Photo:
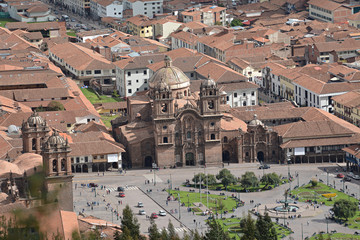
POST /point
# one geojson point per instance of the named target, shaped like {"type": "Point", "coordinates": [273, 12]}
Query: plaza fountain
{"type": "Point", "coordinates": [286, 207]}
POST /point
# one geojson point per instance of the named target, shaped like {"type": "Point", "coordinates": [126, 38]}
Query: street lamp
{"type": "Point", "coordinates": [327, 175]}
{"type": "Point", "coordinates": [154, 166]}
{"type": "Point", "coordinates": [289, 175]}
{"type": "Point", "coordinates": [179, 206]}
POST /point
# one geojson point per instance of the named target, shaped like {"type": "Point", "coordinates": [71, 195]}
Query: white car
{"type": "Point", "coordinates": [350, 174]}
{"type": "Point", "coordinates": [140, 205]}
{"type": "Point", "coordinates": [162, 213]}
{"type": "Point", "coordinates": [142, 212]}
{"type": "Point", "coordinates": [356, 177]}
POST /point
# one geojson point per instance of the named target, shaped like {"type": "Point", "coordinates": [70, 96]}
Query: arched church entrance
{"type": "Point", "coordinates": [189, 157]}
{"type": "Point", "coordinates": [148, 161]}
{"type": "Point", "coordinates": [225, 156]}
{"type": "Point", "coordinates": [260, 156]}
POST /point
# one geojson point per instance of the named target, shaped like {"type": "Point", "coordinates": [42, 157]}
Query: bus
{"type": "Point", "coordinates": [65, 18]}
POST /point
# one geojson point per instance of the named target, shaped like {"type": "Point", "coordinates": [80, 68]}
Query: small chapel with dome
{"type": "Point", "coordinates": [169, 125]}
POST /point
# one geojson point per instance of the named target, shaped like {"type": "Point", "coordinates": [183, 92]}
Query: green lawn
{"type": "Point", "coordinates": [71, 33]}
{"type": "Point", "coordinates": [238, 188]}
{"type": "Point", "coordinates": [188, 198]}
{"type": "Point", "coordinates": [232, 225]}
{"type": "Point", "coordinates": [336, 236]}
{"type": "Point", "coordinates": [107, 119]}
{"type": "Point", "coordinates": [307, 192]}
{"type": "Point", "coordinates": [3, 21]}
{"type": "Point", "coordinates": [93, 98]}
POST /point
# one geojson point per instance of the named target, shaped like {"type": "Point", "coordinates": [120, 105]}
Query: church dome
{"type": "Point", "coordinates": [55, 140]}
{"type": "Point", "coordinates": [256, 122]}
{"type": "Point", "coordinates": [172, 76]}
{"type": "Point", "coordinates": [35, 120]}
{"type": "Point", "coordinates": [209, 82]}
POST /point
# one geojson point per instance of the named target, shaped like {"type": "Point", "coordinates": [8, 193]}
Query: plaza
{"type": "Point", "coordinates": [154, 196]}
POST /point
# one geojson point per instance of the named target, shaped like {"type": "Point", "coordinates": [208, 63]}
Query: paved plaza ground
{"type": "Point", "coordinates": [137, 190]}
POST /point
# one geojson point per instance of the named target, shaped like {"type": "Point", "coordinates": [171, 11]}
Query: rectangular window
{"type": "Point", "coordinates": [235, 95]}
{"type": "Point", "coordinates": [88, 72]}
{"type": "Point", "coordinates": [129, 83]}
{"type": "Point", "coordinates": [86, 159]}
{"type": "Point", "coordinates": [145, 80]}
{"type": "Point", "coordinates": [129, 91]}
{"type": "Point", "coordinates": [77, 160]}
{"type": "Point", "coordinates": [145, 72]}
{"type": "Point", "coordinates": [129, 74]}
{"type": "Point", "coordinates": [252, 93]}
{"type": "Point", "coordinates": [244, 94]}
{"type": "Point", "coordinates": [97, 71]}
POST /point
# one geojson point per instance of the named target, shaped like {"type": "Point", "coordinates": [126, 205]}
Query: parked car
{"type": "Point", "coordinates": [142, 212]}
{"type": "Point", "coordinates": [154, 216]}
{"type": "Point", "coordinates": [347, 179]}
{"type": "Point", "coordinates": [140, 205]}
{"type": "Point", "coordinates": [120, 189]}
{"type": "Point", "coordinates": [356, 177]}
{"type": "Point", "coordinates": [121, 194]}
{"type": "Point", "coordinates": [350, 174]}
{"type": "Point", "coordinates": [265, 166]}
{"type": "Point", "coordinates": [340, 175]}
{"type": "Point", "coordinates": [162, 213]}
{"type": "Point", "coordinates": [93, 184]}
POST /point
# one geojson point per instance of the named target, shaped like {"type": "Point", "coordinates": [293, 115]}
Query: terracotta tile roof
{"type": "Point", "coordinates": [346, 45]}
{"type": "Point", "coordinates": [354, 17]}
{"type": "Point", "coordinates": [353, 150]}
{"type": "Point", "coordinates": [91, 126]}
{"type": "Point", "coordinates": [321, 142]}
{"type": "Point", "coordinates": [139, 20]}
{"type": "Point", "coordinates": [326, 4]}
{"type": "Point", "coordinates": [139, 62]}
{"type": "Point", "coordinates": [80, 57]}
{"type": "Point", "coordinates": [114, 105]}
{"type": "Point", "coordinates": [350, 99]}
{"type": "Point", "coordinates": [230, 123]}
{"type": "Point", "coordinates": [186, 37]}
{"type": "Point", "coordinates": [238, 85]}
{"type": "Point", "coordinates": [320, 87]}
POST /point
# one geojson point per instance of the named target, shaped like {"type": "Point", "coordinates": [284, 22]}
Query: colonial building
{"type": "Point", "coordinates": [171, 126]}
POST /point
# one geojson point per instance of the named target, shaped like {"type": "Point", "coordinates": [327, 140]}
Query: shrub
{"type": "Point", "coordinates": [314, 183]}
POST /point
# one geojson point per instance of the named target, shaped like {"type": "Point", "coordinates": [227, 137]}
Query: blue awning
{"type": "Point", "coordinates": [349, 159]}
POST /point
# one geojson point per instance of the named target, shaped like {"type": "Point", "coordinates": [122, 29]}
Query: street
{"type": "Point", "coordinates": [155, 200]}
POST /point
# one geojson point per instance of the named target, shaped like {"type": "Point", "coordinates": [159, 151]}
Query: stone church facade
{"type": "Point", "coordinates": [171, 126]}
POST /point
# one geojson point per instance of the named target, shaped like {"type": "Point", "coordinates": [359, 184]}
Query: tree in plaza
{"type": "Point", "coordinates": [154, 233]}
{"type": "Point", "coordinates": [249, 180]}
{"type": "Point", "coordinates": [200, 176]}
{"type": "Point", "coordinates": [216, 232]}
{"type": "Point", "coordinates": [125, 235]}
{"type": "Point", "coordinates": [226, 177]}
{"type": "Point", "coordinates": [131, 223]}
{"type": "Point", "coordinates": [265, 228]}
{"type": "Point", "coordinates": [220, 206]}
{"type": "Point", "coordinates": [344, 208]}
{"type": "Point", "coordinates": [270, 179]}
{"type": "Point", "coordinates": [248, 227]}
{"type": "Point", "coordinates": [164, 234]}
{"type": "Point", "coordinates": [172, 233]}
{"type": "Point", "coordinates": [210, 179]}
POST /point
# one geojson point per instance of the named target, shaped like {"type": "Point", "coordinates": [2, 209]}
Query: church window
{"type": "Point", "coordinates": [200, 133]}
{"type": "Point", "coordinates": [185, 93]}
{"type": "Point", "coordinates": [225, 139]}
{"type": "Point", "coordinates": [164, 127]}
{"type": "Point", "coordinates": [54, 165]}
{"type": "Point", "coordinates": [188, 135]}
{"type": "Point", "coordinates": [165, 140]}
{"type": "Point", "coordinates": [247, 154]}
{"type": "Point", "coordinates": [211, 104]}
{"type": "Point", "coordinates": [177, 135]}
{"type": "Point", "coordinates": [210, 93]}
{"type": "Point", "coordinates": [33, 144]}
{"type": "Point", "coordinates": [273, 152]}
{"type": "Point", "coordinates": [164, 107]}
{"type": "Point", "coordinates": [212, 136]}
{"type": "Point", "coordinates": [212, 124]}
{"type": "Point", "coordinates": [63, 165]}
{"type": "Point", "coordinates": [164, 96]}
